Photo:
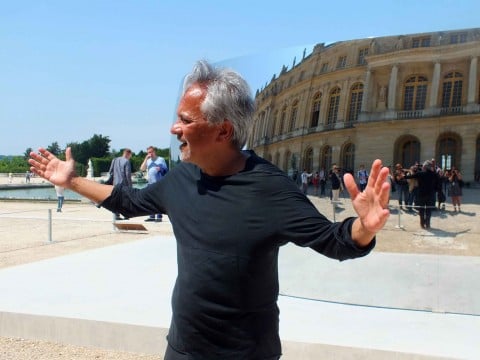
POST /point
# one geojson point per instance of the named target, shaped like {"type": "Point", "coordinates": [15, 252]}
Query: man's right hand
{"type": "Point", "coordinates": [49, 167]}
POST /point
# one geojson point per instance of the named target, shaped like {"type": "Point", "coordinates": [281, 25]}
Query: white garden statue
{"type": "Point", "coordinates": [90, 169]}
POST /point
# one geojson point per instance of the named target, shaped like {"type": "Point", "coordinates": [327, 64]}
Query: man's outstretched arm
{"type": "Point", "coordinates": [59, 172]}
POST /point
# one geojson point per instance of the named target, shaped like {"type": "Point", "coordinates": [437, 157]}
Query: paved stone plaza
{"type": "Point", "coordinates": [414, 296]}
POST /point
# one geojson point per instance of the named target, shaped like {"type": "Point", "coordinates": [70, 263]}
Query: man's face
{"type": "Point", "coordinates": [196, 135]}
{"type": "Point", "coordinates": [151, 154]}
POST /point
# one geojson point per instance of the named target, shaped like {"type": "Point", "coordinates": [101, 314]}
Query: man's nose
{"type": "Point", "coordinates": [175, 129]}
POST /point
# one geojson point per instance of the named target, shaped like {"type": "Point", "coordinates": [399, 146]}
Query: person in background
{"type": "Point", "coordinates": [323, 181]}
{"type": "Point", "coordinates": [428, 185]}
{"type": "Point", "coordinates": [436, 168]}
{"type": "Point", "coordinates": [401, 185]}
{"type": "Point", "coordinates": [446, 182]}
{"type": "Point", "coordinates": [315, 183]}
{"type": "Point", "coordinates": [231, 211]}
{"type": "Point", "coordinates": [156, 168]}
{"type": "Point", "coordinates": [441, 197]}
{"type": "Point", "coordinates": [337, 184]}
{"type": "Point", "coordinates": [60, 197]}
{"type": "Point", "coordinates": [412, 188]}
{"type": "Point", "coordinates": [362, 177]}
{"type": "Point", "coordinates": [391, 181]}
{"type": "Point", "coordinates": [456, 191]}
{"type": "Point", "coordinates": [305, 179]}
{"type": "Point", "coordinates": [121, 168]}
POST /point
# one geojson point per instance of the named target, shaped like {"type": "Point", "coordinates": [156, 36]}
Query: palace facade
{"type": "Point", "coordinates": [402, 99]}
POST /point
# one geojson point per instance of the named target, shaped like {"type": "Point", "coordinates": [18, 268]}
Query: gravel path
{"type": "Point", "coordinates": [22, 349]}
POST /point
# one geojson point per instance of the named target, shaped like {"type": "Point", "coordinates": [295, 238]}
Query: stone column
{"type": "Point", "coordinates": [343, 104]}
{"type": "Point", "coordinates": [472, 81]}
{"type": "Point", "coordinates": [392, 88]}
{"type": "Point", "coordinates": [366, 88]}
{"type": "Point", "coordinates": [435, 85]}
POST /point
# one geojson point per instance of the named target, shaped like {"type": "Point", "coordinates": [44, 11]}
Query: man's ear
{"type": "Point", "coordinates": [226, 130]}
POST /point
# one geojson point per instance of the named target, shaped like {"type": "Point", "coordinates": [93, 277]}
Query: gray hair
{"type": "Point", "coordinates": [428, 164]}
{"type": "Point", "coordinates": [228, 97]}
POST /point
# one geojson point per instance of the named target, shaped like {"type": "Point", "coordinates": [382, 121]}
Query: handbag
{"type": "Point", "coordinates": [109, 180]}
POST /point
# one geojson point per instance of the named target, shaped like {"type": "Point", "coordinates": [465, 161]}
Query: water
{"type": "Point", "coordinates": [42, 193]}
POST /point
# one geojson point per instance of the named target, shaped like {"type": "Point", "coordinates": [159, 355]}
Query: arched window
{"type": "Point", "coordinates": [348, 158]}
{"type": "Point", "coordinates": [449, 150]}
{"type": "Point", "coordinates": [410, 152]}
{"type": "Point", "coordinates": [355, 104]}
{"type": "Point", "coordinates": [452, 90]}
{"type": "Point", "coordinates": [293, 117]}
{"type": "Point", "coordinates": [333, 102]}
{"type": "Point", "coordinates": [326, 157]}
{"type": "Point", "coordinates": [407, 150]}
{"type": "Point", "coordinates": [308, 160]}
{"type": "Point", "coordinates": [415, 93]}
{"type": "Point", "coordinates": [317, 100]}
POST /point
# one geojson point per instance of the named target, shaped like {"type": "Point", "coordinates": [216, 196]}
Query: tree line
{"type": "Point", "coordinates": [97, 149]}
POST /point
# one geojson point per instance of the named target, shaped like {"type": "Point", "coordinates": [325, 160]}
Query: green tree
{"type": "Point", "coordinates": [54, 148]}
{"type": "Point", "coordinates": [26, 154]}
{"type": "Point", "coordinates": [99, 146]}
{"type": "Point", "coordinates": [14, 164]}
{"type": "Point", "coordinates": [76, 149]}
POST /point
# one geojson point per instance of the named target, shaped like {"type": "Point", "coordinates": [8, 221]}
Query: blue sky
{"type": "Point", "coordinates": [72, 69]}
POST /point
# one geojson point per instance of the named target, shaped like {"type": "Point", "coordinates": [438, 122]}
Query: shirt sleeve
{"type": "Point", "coordinates": [301, 223]}
{"type": "Point", "coordinates": [132, 202]}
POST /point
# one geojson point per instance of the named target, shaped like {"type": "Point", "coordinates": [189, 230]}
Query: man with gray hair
{"type": "Point", "coordinates": [428, 185]}
{"type": "Point", "coordinates": [231, 211]}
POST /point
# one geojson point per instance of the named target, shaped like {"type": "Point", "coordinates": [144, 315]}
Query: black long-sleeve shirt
{"type": "Point", "coordinates": [228, 231]}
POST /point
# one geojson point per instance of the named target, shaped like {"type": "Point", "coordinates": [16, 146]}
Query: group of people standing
{"type": "Point", "coordinates": [421, 186]}
{"type": "Point", "coordinates": [335, 176]}
{"type": "Point", "coordinates": [121, 170]}
{"type": "Point", "coordinates": [418, 188]}
{"type": "Point", "coordinates": [319, 181]}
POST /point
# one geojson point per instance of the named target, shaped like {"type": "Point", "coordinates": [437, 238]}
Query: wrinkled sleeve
{"type": "Point", "coordinates": [300, 222]}
{"type": "Point", "coordinates": [132, 202]}
{"type": "Point", "coordinates": [335, 241]}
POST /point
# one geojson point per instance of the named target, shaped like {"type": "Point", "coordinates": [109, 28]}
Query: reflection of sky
{"type": "Point", "coordinates": [258, 69]}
